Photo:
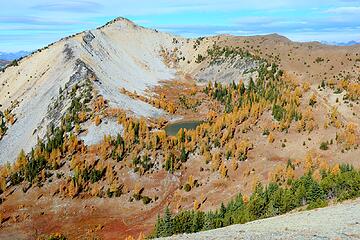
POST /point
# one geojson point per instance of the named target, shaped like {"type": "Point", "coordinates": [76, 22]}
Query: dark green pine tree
{"type": "Point", "coordinates": [239, 202]}
{"type": "Point", "coordinates": [196, 222]}
{"type": "Point", "coordinates": [288, 201]}
{"type": "Point", "coordinates": [271, 210]}
{"type": "Point", "coordinates": [222, 211]}
{"type": "Point", "coordinates": [182, 135]}
{"type": "Point", "coordinates": [209, 221]}
{"type": "Point", "coordinates": [159, 227]}
{"type": "Point", "coordinates": [228, 105]}
{"type": "Point", "coordinates": [168, 224]}
{"type": "Point", "coordinates": [242, 88]}
{"type": "Point", "coordinates": [184, 155]}
{"type": "Point", "coordinates": [315, 192]}
{"type": "Point", "coordinates": [251, 86]}
{"type": "Point", "coordinates": [2, 123]}
{"type": "Point", "coordinates": [169, 164]}
{"type": "Point", "coordinates": [300, 195]}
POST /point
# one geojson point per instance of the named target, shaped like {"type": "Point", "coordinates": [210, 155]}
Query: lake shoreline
{"type": "Point", "coordinates": [172, 128]}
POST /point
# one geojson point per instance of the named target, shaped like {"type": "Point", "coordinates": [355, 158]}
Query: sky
{"type": "Point", "coordinates": [32, 24]}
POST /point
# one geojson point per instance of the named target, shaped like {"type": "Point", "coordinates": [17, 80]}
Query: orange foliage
{"type": "Point", "coordinates": [309, 162]}
{"type": "Point", "coordinates": [216, 161]}
{"type": "Point", "coordinates": [234, 164]}
{"type": "Point", "coordinates": [336, 169]}
{"type": "Point", "coordinates": [223, 170]}
{"type": "Point", "coordinates": [278, 175]}
{"type": "Point", "coordinates": [350, 137]}
{"type": "Point", "coordinates": [197, 205]}
{"type": "Point", "coordinates": [335, 118]}
{"type": "Point", "coordinates": [97, 120]}
{"type": "Point", "coordinates": [271, 138]}
{"type": "Point", "coordinates": [245, 198]}
{"type": "Point", "coordinates": [353, 91]}
{"type": "Point", "coordinates": [306, 86]}
{"type": "Point", "coordinates": [290, 174]}
{"type": "Point", "coordinates": [317, 175]}
{"type": "Point", "coordinates": [324, 165]}
{"type": "Point", "coordinates": [99, 104]}
{"type": "Point", "coordinates": [82, 116]}
{"type": "Point", "coordinates": [307, 122]}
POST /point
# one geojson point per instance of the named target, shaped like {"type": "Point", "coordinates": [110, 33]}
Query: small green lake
{"type": "Point", "coordinates": [173, 128]}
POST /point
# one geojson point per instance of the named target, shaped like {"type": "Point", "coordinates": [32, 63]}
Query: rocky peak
{"type": "Point", "coordinates": [121, 22]}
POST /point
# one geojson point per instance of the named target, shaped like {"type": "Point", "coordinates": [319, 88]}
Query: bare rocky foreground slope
{"type": "Point", "coordinates": [340, 221]}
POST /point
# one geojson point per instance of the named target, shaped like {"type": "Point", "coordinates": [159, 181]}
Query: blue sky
{"type": "Point", "coordinates": [31, 24]}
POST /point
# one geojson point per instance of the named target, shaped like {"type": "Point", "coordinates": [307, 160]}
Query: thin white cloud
{"type": "Point", "coordinates": [31, 20]}
{"type": "Point", "coordinates": [344, 10]}
{"type": "Point", "coordinates": [69, 6]}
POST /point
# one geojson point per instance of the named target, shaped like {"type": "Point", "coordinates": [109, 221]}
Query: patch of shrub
{"type": "Point", "coordinates": [146, 200]}
{"type": "Point", "coordinates": [187, 187]}
{"type": "Point", "coordinates": [324, 146]}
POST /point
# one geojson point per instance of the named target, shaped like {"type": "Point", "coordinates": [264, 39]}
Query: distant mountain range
{"type": "Point", "coordinates": [12, 56]}
{"type": "Point", "coordinates": [350, 43]}
{"type": "Point", "coordinates": [3, 63]}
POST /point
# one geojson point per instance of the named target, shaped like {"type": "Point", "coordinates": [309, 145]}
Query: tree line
{"type": "Point", "coordinates": [271, 200]}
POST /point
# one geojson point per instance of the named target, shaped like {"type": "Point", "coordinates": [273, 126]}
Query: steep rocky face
{"type": "Point", "coordinates": [227, 67]}
{"type": "Point", "coordinates": [28, 91]}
